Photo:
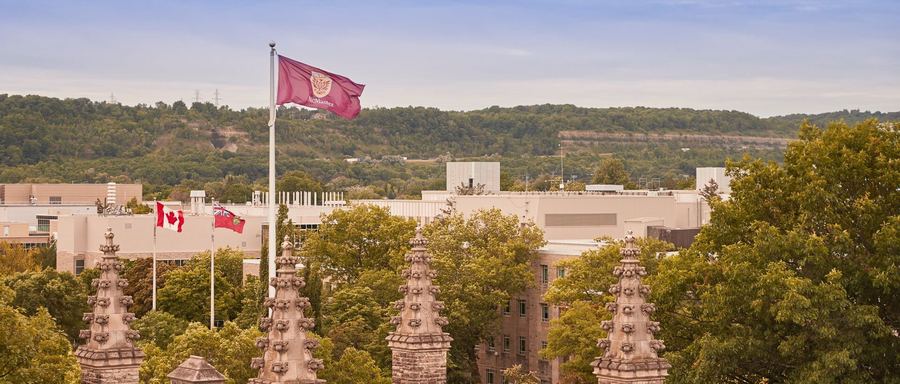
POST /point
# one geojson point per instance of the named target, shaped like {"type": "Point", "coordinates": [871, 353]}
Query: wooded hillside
{"type": "Point", "coordinates": [163, 146]}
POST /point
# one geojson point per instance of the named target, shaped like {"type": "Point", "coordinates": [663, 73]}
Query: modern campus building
{"type": "Point", "coordinates": [571, 222]}
{"type": "Point", "coordinates": [69, 194]}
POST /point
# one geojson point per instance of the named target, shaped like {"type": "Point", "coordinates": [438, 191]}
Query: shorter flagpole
{"type": "Point", "coordinates": [155, 208]}
{"type": "Point", "coordinates": [212, 272]}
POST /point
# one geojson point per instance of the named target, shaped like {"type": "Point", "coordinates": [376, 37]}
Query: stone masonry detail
{"type": "Point", "coordinates": [109, 354]}
{"type": "Point", "coordinates": [419, 346]}
{"type": "Point", "coordinates": [631, 350]}
{"type": "Point", "coordinates": [287, 349]}
{"type": "Point", "coordinates": [195, 370]}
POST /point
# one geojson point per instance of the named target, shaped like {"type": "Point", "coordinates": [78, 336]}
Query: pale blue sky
{"type": "Point", "coordinates": [764, 57]}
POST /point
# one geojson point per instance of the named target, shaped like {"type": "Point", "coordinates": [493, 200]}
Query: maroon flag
{"type": "Point", "coordinates": [227, 219]}
{"type": "Point", "coordinates": [312, 87]}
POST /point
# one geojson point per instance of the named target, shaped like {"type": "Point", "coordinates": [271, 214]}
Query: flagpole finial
{"type": "Point", "coordinates": [272, 44]}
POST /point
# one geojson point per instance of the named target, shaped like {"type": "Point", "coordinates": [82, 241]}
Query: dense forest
{"type": "Point", "coordinates": [174, 147]}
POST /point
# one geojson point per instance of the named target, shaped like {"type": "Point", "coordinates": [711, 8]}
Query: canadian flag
{"type": "Point", "coordinates": [169, 219]}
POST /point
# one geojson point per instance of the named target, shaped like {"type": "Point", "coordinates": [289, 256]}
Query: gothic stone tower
{"type": "Point", "coordinates": [419, 346]}
{"type": "Point", "coordinates": [631, 351]}
{"type": "Point", "coordinates": [109, 356]}
{"type": "Point", "coordinates": [287, 350]}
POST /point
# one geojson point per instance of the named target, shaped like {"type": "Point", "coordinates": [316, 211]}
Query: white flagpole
{"type": "Point", "coordinates": [155, 208]}
{"type": "Point", "coordinates": [271, 207]}
{"type": "Point", "coordinates": [212, 273]}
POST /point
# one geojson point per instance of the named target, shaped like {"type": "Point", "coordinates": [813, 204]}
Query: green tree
{"type": "Point", "coordinates": [186, 292]}
{"type": "Point", "coordinates": [353, 317]}
{"type": "Point", "coordinates": [354, 366]}
{"type": "Point", "coordinates": [45, 257]}
{"type": "Point", "coordinates": [251, 305]}
{"type": "Point", "coordinates": [481, 261]}
{"type": "Point", "coordinates": [360, 238]}
{"type": "Point", "coordinates": [583, 292]}
{"type": "Point", "coordinates": [795, 278]}
{"type": "Point", "coordinates": [519, 375]}
{"type": "Point", "coordinates": [15, 258]}
{"type": "Point", "coordinates": [159, 328]}
{"type": "Point", "coordinates": [298, 181]}
{"type": "Point", "coordinates": [59, 292]}
{"type": "Point", "coordinates": [229, 349]}
{"type": "Point", "coordinates": [611, 171]}
{"type": "Point", "coordinates": [139, 274]}
{"type": "Point", "coordinates": [137, 208]}
{"type": "Point", "coordinates": [575, 186]}
{"type": "Point", "coordinates": [32, 350]}
{"type": "Point", "coordinates": [313, 291]}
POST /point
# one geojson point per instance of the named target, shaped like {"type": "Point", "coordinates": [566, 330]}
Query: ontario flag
{"type": "Point", "coordinates": [227, 219]}
{"type": "Point", "coordinates": [309, 86]}
{"type": "Point", "coordinates": [168, 218]}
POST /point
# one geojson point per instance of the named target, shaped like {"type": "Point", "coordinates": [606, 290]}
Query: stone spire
{"type": "Point", "coordinates": [109, 354]}
{"type": "Point", "coordinates": [631, 351]}
{"type": "Point", "coordinates": [195, 370]}
{"type": "Point", "coordinates": [287, 350]}
{"type": "Point", "coordinates": [419, 345]}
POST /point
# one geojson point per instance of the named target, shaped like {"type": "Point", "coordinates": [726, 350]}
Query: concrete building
{"type": "Point", "coordinates": [74, 251]}
{"type": "Point", "coordinates": [471, 174]}
{"type": "Point", "coordinates": [31, 194]}
{"type": "Point", "coordinates": [717, 174]}
{"type": "Point", "coordinates": [19, 233]}
{"type": "Point", "coordinates": [567, 215]}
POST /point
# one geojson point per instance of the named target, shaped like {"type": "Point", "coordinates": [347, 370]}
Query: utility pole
{"type": "Point", "coordinates": [112, 98]}
{"type": "Point", "coordinates": [197, 96]}
{"type": "Point", "coordinates": [216, 98]}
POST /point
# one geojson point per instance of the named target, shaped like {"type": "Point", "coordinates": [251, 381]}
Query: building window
{"type": "Point", "coordinates": [521, 308]}
{"type": "Point", "coordinates": [489, 376]}
{"type": "Point", "coordinates": [545, 274]}
{"type": "Point", "coordinates": [545, 312]}
{"type": "Point", "coordinates": [79, 266]}
{"type": "Point", "coordinates": [55, 199]}
{"type": "Point", "coordinates": [43, 225]}
{"type": "Point", "coordinates": [522, 345]}
{"type": "Point", "coordinates": [544, 344]}
{"type": "Point", "coordinates": [490, 344]}
{"type": "Point", "coordinates": [507, 309]}
{"type": "Point", "coordinates": [560, 272]}
{"type": "Point", "coordinates": [506, 343]}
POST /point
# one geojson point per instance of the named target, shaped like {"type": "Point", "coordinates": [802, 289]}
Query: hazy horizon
{"type": "Point", "coordinates": [766, 58]}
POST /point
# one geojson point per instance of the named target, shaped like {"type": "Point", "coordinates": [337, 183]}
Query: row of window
{"type": "Point", "coordinates": [507, 344]}
{"type": "Point", "coordinates": [545, 273]}
{"type": "Point", "coordinates": [523, 309]}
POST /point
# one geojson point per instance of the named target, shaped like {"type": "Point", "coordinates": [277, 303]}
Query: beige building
{"type": "Point", "coordinates": [76, 248]}
{"type": "Point", "coordinates": [568, 215]}
{"type": "Point", "coordinates": [526, 320]}
{"type": "Point", "coordinates": [18, 233]}
{"type": "Point", "coordinates": [31, 194]}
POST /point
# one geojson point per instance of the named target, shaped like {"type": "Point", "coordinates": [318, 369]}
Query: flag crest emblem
{"type": "Point", "coordinates": [321, 84]}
